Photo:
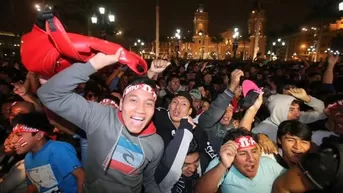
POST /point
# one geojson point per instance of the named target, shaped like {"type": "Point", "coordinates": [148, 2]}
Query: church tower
{"type": "Point", "coordinates": [256, 28]}
{"type": "Point", "coordinates": [200, 21]}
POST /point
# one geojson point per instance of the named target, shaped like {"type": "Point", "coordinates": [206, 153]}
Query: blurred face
{"type": "Point", "coordinates": [161, 83]}
{"type": "Point", "coordinates": [247, 161]}
{"type": "Point", "coordinates": [316, 78]}
{"type": "Point", "coordinates": [182, 70]}
{"type": "Point", "coordinates": [238, 91]}
{"type": "Point", "coordinates": [191, 164]}
{"type": "Point", "coordinates": [174, 84]}
{"type": "Point", "coordinates": [6, 110]}
{"type": "Point", "coordinates": [293, 112]}
{"type": "Point", "coordinates": [196, 103]}
{"type": "Point", "coordinates": [25, 142]}
{"type": "Point", "coordinates": [191, 84]}
{"type": "Point", "coordinates": [16, 110]}
{"type": "Point", "coordinates": [335, 118]}
{"type": "Point", "coordinates": [226, 119]}
{"type": "Point", "coordinates": [90, 96]}
{"type": "Point", "coordinates": [293, 148]}
{"type": "Point", "coordinates": [8, 145]}
{"type": "Point", "coordinates": [137, 109]}
{"type": "Point", "coordinates": [195, 68]}
{"type": "Point", "coordinates": [225, 80]}
{"type": "Point", "coordinates": [205, 106]}
{"type": "Point", "coordinates": [207, 78]}
{"type": "Point", "coordinates": [259, 77]}
{"type": "Point", "coordinates": [179, 107]}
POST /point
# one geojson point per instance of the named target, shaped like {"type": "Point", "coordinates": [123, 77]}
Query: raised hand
{"type": "Point", "coordinates": [256, 106]}
{"type": "Point", "coordinates": [333, 60]}
{"type": "Point", "coordinates": [158, 66]}
{"type": "Point", "coordinates": [300, 93]}
{"type": "Point", "coordinates": [101, 60]}
{"type": "Point", "coordinates": [267, 145]}
{"type": "Point", "coordinates": [228, 152]}
{"type": "Point", "coordinates": [235, 79]}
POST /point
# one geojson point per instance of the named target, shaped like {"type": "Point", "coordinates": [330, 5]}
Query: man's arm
{"type": "Point", "coordinates": [210, 182]}
{"type": "Point", "coordinates": [218, 106]}
{"type": "Point", "coordinates": [292, 181]}
{"type": "Point", "coordinates": [250, 114]}
{"type": "Point", "coordinates": [149, 182]}
{"type": "Point", "coordinates": [317, 114]}
{"type": "Point", "coordinates": [169, 169]}
{"type": "Point", "coordinates": [216, 170]}
{"type": "Point", "coordinates": [79, 174]}
{"type": "Point", "coordinates": [14, 178]}
{"type": "Point", "coordinates": [317, 105]}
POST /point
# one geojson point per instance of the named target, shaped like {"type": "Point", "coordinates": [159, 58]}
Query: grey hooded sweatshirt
{"type": "Point", "coordinates": [117, 161]}
{"type": "Point", "coordinates": [279, 105]}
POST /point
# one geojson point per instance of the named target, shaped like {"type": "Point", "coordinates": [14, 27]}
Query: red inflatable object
{"type": "Point", "coordinates": [49, 52]}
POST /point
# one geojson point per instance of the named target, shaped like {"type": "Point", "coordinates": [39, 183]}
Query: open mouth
{"type": "Point", "coordinates": [137, 121]}
{"type": "Point", "coordinates": [176, 113]}
{"type": "Point", "coordinates": [297, 154]}
{"type": "Point", "coordinates": [250, 168]}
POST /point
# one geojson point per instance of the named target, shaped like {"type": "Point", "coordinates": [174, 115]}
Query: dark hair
{"type": "Point", "coordinates": [238, 115]}
{"type": "Point", "coordinates": [93, 87]}
{"type": "Point", "coordinates": [193, 146]}
{"type": "Point", "coordinates": [144, 80]}
{"type": "Point", "coordinates": [35, 120]}
{"type": "Point", "coordinates": [296, 102]}
{"type": "Point", "coordinates": [295, 128]}
{"type": "Point", "coordinates": [234, 134]}
{"type": "Point", "coordinates": [172, 77]}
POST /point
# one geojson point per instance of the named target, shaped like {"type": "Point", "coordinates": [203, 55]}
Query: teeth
{"type": "Point", "coordinates": [137, 118]}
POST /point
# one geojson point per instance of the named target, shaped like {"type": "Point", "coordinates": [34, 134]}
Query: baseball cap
{"type": "Point", "coordinates": [195, 93]}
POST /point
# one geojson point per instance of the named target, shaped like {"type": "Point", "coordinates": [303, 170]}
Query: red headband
{"type": "Point", "coordinates": [245, 141]}
{"type": "Point", "coordinates": [22, 128]}
{"type": "Point", "coordinates": [109, 102]}
{"type": "Point", "coordinates": [144, 87]}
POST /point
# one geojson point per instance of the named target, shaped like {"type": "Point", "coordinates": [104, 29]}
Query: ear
{"type": "Point", "coordinates": [40, 135]}
{"type": "Point", "coordinates": [279, 141]}
{"type": "Point", "coordinates": [190, 111]}
{"type": "Point", "coordinates": [121, 104]}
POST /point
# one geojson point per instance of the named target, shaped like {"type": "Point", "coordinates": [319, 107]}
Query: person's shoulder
{"type": "Point", "coordinates": [59, 146]}
{"type": "Point", "coordinates": [269, 162]}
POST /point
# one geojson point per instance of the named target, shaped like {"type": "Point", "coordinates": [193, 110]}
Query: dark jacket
{"type": "Point", "coordinates": [176, 143]}
{"type": "Point", "coordinates": [210, 120]}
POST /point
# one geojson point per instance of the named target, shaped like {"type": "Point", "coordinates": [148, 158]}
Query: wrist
{"type": "Point", "coordinates": [307, 99]}
{"type": "Point", "coordinates": [222, 166]}
{"type": "Point", "coordinates": [232, 87]}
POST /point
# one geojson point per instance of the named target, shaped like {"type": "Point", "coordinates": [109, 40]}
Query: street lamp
{"type": "Point", "coordinates": [111, 19]}
{"type": "Point", "coordinates": [201, 34]}
{"type": "Point", "coordinates": [177, 46]}
{"type": "Point", "coordinates": [40, 7]}
{"type": "Point", "coordinates": [102, 10]}
{"type": "Point", "coordinates": [235, 42]}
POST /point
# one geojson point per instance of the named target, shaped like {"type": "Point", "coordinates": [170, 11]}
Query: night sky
{"type": "Point", "coordinates": [138, 16]}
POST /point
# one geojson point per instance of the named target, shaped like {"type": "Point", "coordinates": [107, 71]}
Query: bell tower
{"type": "Point", "coordinates": [200, 21]}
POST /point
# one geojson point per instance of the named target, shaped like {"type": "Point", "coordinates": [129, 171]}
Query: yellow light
{"type": "Point", "coordinates": [303, 46]}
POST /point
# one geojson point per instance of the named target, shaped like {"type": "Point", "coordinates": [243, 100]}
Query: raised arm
{"type": "Point", "coordinates": [218, 106]}
{"type": "Point", "coordinates": [328, 74]}
{"type": "Point", "coordinates": [57, 94]}
{"type": "Point", "coordinates": [316, 104]}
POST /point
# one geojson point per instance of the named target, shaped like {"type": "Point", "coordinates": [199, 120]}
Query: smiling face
{"type": "Point", "coordinates": [293, 148]}
{"type": "Point", "coordinates": [247, 161]}
{"type": "Point", "coordinates": [179, 107]}
{"type": "Point", "coordinates": [137, 109]}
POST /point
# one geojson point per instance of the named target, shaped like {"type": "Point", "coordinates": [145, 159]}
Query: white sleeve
{"type": "Point", "coordinates": [317, 114]}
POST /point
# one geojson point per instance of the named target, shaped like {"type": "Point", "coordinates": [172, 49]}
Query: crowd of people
{"type": "Point", "coordinates": [181, 128]}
